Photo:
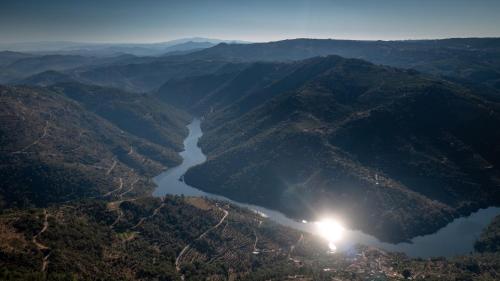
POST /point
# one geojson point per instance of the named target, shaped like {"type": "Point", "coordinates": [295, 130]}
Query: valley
{"type": "Point", "coordinates": [223, 162]}
{"type": "Point", "coordinates": [356, 131]}
{"type": "Point", "coordinates": [450, 240]}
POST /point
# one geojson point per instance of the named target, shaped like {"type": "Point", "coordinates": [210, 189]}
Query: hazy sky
{"type": "Point", "coordinates": [252, 20]}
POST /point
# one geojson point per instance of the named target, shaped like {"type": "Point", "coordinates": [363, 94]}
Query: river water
{"type": "Point", "coordinates": [456, 238]}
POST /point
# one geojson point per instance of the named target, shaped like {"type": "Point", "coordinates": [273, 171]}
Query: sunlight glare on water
{"type": "Point", "coordinates": [449, 241]}
{"type": "Point", "coordinates": [331, 230]}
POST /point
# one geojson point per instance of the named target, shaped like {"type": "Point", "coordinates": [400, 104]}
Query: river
{"type": "Point", "coordinates": [456, 238]}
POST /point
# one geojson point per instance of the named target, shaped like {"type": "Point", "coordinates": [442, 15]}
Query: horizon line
{"type": "Point", "coordinates": [240, 41]}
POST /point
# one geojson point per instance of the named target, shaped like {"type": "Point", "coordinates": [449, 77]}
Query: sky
{"type": "Point", "coordinates": [146, 21]}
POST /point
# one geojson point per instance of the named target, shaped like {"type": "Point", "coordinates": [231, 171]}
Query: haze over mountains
{"type": "Point", "coordinates": [397, 137]}
{"type": "Point", "coordinates": [467, 60]}
{"type": "Point", "coordinates": [110, 49]}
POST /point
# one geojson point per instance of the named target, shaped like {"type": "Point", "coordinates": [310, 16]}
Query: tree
{"type": "Point", "coordinates": [407, 273]}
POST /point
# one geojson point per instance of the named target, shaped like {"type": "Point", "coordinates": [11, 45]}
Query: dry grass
{"type": "Point", "coordinates": [10, 240]}
{"type": "Point", "coordinates": [199, 203]}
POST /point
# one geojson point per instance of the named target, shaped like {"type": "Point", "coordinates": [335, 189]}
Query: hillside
{"type": "Point", "coordinates": [138, 114]}
{"type": "Point", "coordinates": [474, 60]}
{"type": "Point", "coordinates": [194, 239]}
{"type": "Point", "coordinates": [241, 88]}
{"type": "Point", "coordinates": [55, 150]}
{"type": "Point", "coordinates": [213, 91]}
{"type": "Point", "coordinates": [8, 57]}
{"type": "Point", "coordinates": [46, 78]}
{"type": "Point", "coordinates": [75, 205]}
{"type": "Point", "coordinates": [490, 238]}
{"type": "Point", "coordinates": [77, 162]}
{"type": "Point", "coordinates": [25, 67]}
{"type": "Point", "coordinates": [396, 152]}
{"type": "Point", "coordinates": [140, 240]}
{"type": "Point", "coordinates": [146, 74]}
{"type": "Point", "coordinates": [470, 61]}
{"type": "Point", "coordinates": [20, 68]}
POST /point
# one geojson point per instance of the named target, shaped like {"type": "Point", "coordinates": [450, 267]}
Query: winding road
{"type": "Point", "coordinates": [114, 190]}
{"type": "Point", "coordinates": [155, 212]}
{"type": "Point", "coordinates": [41, 247]}
{"type": "Point", "coordinates": [185, 249]}
{"type": "Point", "coordinates": [128, 190]}
{"type": "Point", "coordinates": [111, 168]}
{"type": "Point", "coordinates": [45, 129]}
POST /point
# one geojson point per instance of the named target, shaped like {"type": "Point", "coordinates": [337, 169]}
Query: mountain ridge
{"type": "Point", "coordinates": [281, 146]}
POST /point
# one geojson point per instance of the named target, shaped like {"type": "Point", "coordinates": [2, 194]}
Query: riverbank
{"type": "Point", "coordinates": [456, 238]}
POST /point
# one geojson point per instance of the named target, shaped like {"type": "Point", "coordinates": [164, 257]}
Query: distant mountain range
{"type": "Point", "coordinates": [473, 60]}
{"type": "Point", "coordinates": [112, 49]}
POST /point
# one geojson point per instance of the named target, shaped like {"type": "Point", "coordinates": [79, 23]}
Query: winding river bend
{"type": "Point", "coordinates": [456, 238]}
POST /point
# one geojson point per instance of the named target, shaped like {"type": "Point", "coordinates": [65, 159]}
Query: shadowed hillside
{"type": "Point", "coordinates": [398, 153]}
{"type": "Point", "coordinates": [46, 78]}
{"type": "Point", "coordinates": [490, 238]}
{"type": "Point", "coordinates": [55, 150]}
